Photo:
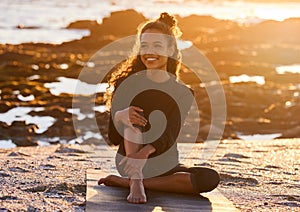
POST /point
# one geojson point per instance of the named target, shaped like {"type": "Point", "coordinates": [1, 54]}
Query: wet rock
{"type": "Point", "coordinates": [113, 25]}
{"type": "Point", "coordinates": [291, 133]}
{"type": "Point", "coordinates": [24, 141]}
{"type": "Point", "coordinates": [14, 56]}
{"type": "Point", "coordinates": [92, 26]}
{"type": "Point", "coordinates": [20, 133]}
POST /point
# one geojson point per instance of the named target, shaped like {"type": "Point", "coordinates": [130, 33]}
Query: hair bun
{"type": "Point", "coordinates": [167, 19]}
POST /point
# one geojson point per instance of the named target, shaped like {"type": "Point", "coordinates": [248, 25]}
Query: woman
{"type": "Point", "coordinates": [151, 160]}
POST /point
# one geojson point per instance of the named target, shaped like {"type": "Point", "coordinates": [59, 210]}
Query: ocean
{"type": "Point", "coordinates": [44, 21]}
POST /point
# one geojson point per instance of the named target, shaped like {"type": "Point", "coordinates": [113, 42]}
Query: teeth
{"type": "Point", "coordinates": [151, 58]}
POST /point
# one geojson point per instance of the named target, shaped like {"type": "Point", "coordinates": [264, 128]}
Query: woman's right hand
{"type": "Point", "coordinates": [130, 116]}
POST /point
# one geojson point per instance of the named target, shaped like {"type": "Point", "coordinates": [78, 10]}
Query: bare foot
{"type": "Point", "coordinates": [113, 180]}
{"type": "Point", "coordinates": [137, 193]}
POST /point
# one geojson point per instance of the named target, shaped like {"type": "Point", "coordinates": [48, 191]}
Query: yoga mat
{"type": "Point", "coordinates": [105, 198]}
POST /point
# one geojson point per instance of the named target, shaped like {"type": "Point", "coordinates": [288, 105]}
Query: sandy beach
{"type": "Point", "coordinates": [255, 175]}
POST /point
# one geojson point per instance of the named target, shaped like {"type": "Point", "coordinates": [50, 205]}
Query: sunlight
{"type": "Point", "coordinates": [295, 69]}
{"type": "Point", "coordinates": [245, 78]}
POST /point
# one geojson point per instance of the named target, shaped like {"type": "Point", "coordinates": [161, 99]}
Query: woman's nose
{"type": "Point", "coordinates": [150, 50]}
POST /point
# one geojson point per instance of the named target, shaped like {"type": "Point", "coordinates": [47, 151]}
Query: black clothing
{"type": "Point", "coordinates": [203, 179]}
{"type": "Point", "coordinates": [174, 100]}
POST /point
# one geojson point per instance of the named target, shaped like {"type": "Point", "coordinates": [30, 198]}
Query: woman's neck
{"type": "Point", "coordinates": [157, 75]}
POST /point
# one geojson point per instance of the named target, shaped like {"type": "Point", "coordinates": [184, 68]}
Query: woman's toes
{"type": "Point", "coordinates": [101, 180]}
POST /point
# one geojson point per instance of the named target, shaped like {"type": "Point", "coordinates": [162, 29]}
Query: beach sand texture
{"type": "Point", "coordinates": [255, 175]}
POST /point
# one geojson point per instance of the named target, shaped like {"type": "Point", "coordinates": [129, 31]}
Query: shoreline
{"type": "Point", "coordinates": [53, 178]}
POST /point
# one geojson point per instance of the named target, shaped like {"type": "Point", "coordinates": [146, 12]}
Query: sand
{"type": "Point", "coordinates": [255, 175]}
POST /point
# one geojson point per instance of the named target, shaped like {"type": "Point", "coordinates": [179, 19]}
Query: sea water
{"type": "Point", "coordinates": [45, 21]}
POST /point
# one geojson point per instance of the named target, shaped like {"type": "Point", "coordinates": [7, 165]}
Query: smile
{"type": "Point", "coordinates": [151, 58]}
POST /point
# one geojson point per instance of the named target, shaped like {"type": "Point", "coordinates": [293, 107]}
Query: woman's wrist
{"type": "Point", "coordinates": [147, 150]}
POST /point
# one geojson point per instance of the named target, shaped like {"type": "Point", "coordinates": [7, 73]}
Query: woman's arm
{"type": "Point", "coordinates": [126, 117]}
{"type": "Point", "coordinates": [174, 123]}
{"type": "Point", "coordinates": [130, 116]}
{"type": "Point", "coordinates": [147, 150]}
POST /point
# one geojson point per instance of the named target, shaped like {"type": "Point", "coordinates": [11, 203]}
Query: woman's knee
{"type": "Point", "coordinates": [204, 179]}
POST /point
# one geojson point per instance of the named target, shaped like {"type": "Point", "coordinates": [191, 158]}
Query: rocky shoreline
{"type": "Point", "coordinates": [232, 49]}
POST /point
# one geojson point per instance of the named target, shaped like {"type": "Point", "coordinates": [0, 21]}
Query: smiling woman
{"type": "Point", "coordinates": [154, 49]}
{"type": "Point", "coordinates": [147, 128]}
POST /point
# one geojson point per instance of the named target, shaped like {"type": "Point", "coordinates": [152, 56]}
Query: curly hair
{"type": "Point", "coordinates": [166, 24]}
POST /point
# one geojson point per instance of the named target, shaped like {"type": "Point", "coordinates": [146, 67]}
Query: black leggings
{"type": "Point", "coordinates": [203, 179]}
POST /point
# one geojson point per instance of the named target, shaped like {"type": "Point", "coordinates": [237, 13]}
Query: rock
{"type": "Point", "coordinates": [18, 169]}
{"type": "Point", "coordinates": [4, 174]}
{"type": "Point", "coordinates": [24, 141]}
{"type": "Point", "coordinates": [272, 167]}
{"type": "Point", "coordinates": [63, 149]}
{"type": "Point", "coordinates": [243, 180]}
{"type": "Point", "coordinates": [4, 210]}
{"type": "Point", "coordinates": [38, 188]}
{"type": "Point", "coordinates": [8, 198]}
{"type": "Point", "coordinates": [93, 141]}
{"type": "Point", "coordinates": [13, 154]}
{"type": "Point", "coordinates": [93, 26]}
{"type": "Point", "coordinates": [234, 155]}
{"type": "Point", "coordinates": [20, 133]}
{"type": "Point", "coordinates": [291, 133]}
{"type": "Point", "coordinates": [47, 167]}
{"type": "Point", "coordinates": [115, 25]}
{"type": "Point", "coordinates": [32, 209]}
{"type": "Point", "coordinates": [230, 160]}
{"type": "Point", "coordinates": [67, 187]}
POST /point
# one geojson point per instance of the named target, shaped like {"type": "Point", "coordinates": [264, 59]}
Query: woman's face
{"type": "Point", "coordinates": [154, 50]}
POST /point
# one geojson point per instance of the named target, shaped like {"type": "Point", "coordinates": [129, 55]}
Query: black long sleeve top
{"type": "Point", "coordinates": [171, 98]}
